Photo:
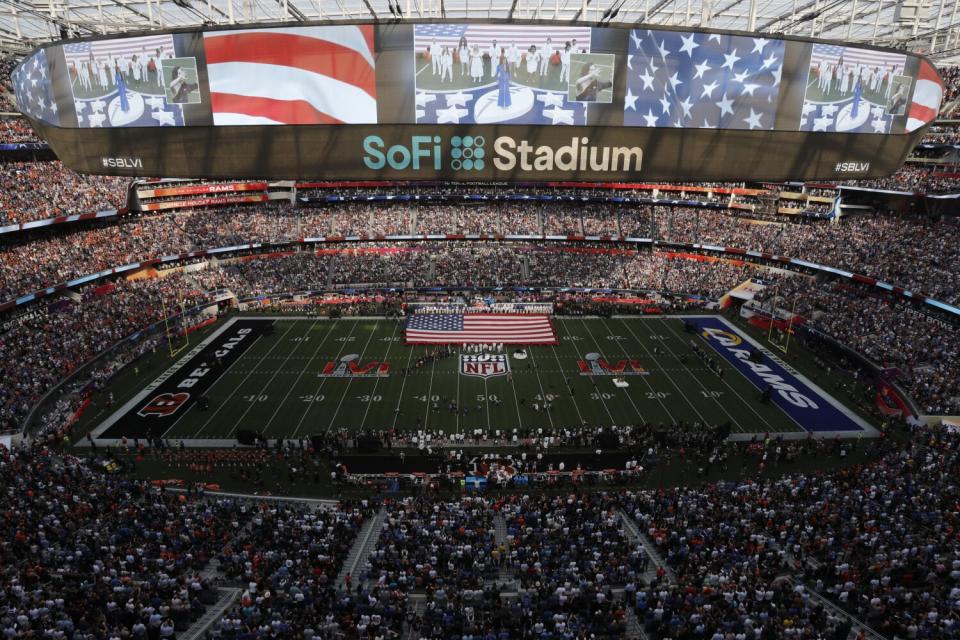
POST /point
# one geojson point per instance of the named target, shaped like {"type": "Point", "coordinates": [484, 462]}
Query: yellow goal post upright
{"type": "Point", "coordinates": [171, 329]}
{"type": "Point", "coordinates": [780, 338]}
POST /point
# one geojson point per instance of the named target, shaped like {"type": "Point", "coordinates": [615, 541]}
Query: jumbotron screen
{"type": "Point", "coordinates": [477, 101]}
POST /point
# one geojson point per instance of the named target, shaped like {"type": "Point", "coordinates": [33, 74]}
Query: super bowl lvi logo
{"type": "Point", "coordinates": [485, 365]}
{"type": "Point", "coordinates": [593, 364]}
{"type": "Point", "coordinates": [349, 367]}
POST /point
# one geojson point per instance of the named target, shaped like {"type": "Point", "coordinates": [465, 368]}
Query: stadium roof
{"type": "Point", "coordinates": [924, 26]}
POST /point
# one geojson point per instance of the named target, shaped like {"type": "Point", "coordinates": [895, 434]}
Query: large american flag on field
{"type": "Point", "coordinates": [702, 81]}
{"type": "Point", "coordinates": [293, 75]}
{"type": "Point", "coordinates": [482, 328]}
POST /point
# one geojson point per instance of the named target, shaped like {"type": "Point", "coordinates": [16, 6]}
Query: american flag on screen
{"type": "Point", "coordinates": [31, 86]}
{"type": "Point", "coordinates": [702, 81]}
{"type": "Point", "coordinates": [927, 95]}
{"type": "Point", "coordinates": [294, 75]}
{"type": "Point", "coordinates": [458, 328]}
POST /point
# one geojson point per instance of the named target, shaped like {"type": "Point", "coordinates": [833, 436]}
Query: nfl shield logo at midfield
{"type": "Point", "coordinates": [485, 365]}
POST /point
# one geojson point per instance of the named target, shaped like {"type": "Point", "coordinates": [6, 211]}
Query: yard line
{"type": "Point", "coordinates": [346, 389]}
{"type": "Point", "coordinates": [426, 413]}
{"type": "Point", "coordinates": [299, 375]}
{"type": "Point", "coordinates": [727, 385]}
{"type": "Point", "coordinates": [322, 382]}
{"type": "Point", "coordinates": [569, 385]}
{"type": "Point", "coordinates": [266, 386]}
{"type": "Point", "coordinates": [458, 391]}
{"type": "Point", "coordinates": [594, 383]}
{"type": "Point", "coordinates": [625, 392]}
{"type": "Point", "coordinates": [486, 395]}
{"type": "Point", "coordinates": [516, 402]}
{"type": "Point", "coordinates": [222, 373]}
{"type": "Point", "coordinates": [377, 381]}
{"type": "Point", "coordinates": [403, 384]}
{"type": "Point", "coordinates": [669, 377]}
{"type": "Point", "coordinates": [543, 394]}
{"type": "Point", "coordinates": [245, 378]}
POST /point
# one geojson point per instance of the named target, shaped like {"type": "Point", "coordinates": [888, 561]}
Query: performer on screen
{"type": "Point", "coordinates": [180, 87]}
{"type": "Point", "coordinates": [545, 52]}
{"type": "Point", "coordinates": [565, 64]}
{"type": "Point", "coordinates": [446, 65]}
{"type": "Point", "coordinates": [503, 83]}
{"type": "Point", "coordinates": [589, 83]}
{"type": "Point", "coordinates": [434, 51]}
{"type": "Point", "coordinates": [533, 61]}
{"type": "Point", "coordinates": [463, 51]}
{"type": "Point", "coordinates": [122, 92]}
{"type": "Point", "coordinates": [513, 57]}
{"type": "Point", "coordinates": [476, 64]}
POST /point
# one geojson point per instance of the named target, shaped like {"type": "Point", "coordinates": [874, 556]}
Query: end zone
{"type": "Point", "coordinates": [157, 408]}
{"type": "Point", "coordinates": [810, 407]}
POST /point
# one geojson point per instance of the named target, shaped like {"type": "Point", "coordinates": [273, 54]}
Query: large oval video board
{"type": "Point", "coordinates": [477, 101]}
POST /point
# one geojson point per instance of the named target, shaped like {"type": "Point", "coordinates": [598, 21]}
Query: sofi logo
{"type": "Point", "coordinates": [469, 153]}
{"type": "Point", "coordinates": [466, 153]}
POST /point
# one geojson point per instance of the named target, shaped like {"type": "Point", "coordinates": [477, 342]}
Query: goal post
{"type": "Point", "coordinates": [175, 329]}
{"type": "Point", "coordinates": [777, 337]}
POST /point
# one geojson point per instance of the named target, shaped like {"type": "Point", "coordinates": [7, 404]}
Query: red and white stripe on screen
{"type": "Point", "coordinates": [293, 75]}
{"type": "Point", "coordinates": [926, 97]}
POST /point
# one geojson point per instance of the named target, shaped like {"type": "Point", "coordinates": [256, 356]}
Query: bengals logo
{"type": "Point", "coordinates": [163, 405]}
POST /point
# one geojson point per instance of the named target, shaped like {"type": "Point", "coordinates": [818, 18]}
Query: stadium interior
{"type": "Point", "coordinates": [473, 405]}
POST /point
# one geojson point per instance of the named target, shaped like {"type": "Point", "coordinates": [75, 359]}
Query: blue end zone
{"type": "Point", "coordinates": [809, 406]}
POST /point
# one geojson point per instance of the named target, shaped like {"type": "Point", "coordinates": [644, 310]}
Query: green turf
{"type": "Point", "coordinates": [274, 386]}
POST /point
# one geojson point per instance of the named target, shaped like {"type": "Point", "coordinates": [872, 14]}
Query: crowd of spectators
{"type": "Point", "coordinates": [287, 559]}
{"type": "Point", "coordinates": [50, 341]}
{"type": "Point", "coordinates": [16, 130]}
{"type": "Point", "coordinates": [7, 103]}
{"type": "Point", "coordinates": [88, 554]}
{"type": "Point", "coordinates": [874, 540]}
{"type": "Point", "coordinates": [84, 555]}
{"type": "Point", "coordinates": [890, 332]}
{"type": "Point", "coordinates": [914, 178]}
{"type": "Point", "coordinates": [36, 190]}
{"type": "Point", "coordinates": [914, 253]}
{"type": "Point", "coordinates": [951, 91]}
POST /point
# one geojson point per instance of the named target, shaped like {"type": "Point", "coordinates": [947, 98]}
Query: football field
{"type": "Point", "coordinates": [293, 377]}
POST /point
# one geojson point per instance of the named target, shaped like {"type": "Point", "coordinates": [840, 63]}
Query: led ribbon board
{"type": "Point", "coordinates": [477, 101]}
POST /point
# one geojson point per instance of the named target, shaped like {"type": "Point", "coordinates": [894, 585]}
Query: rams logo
{"type": "Point", "coordinates": [163, 405]}
{"type": "Point", "coordinates": [725, 338]}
